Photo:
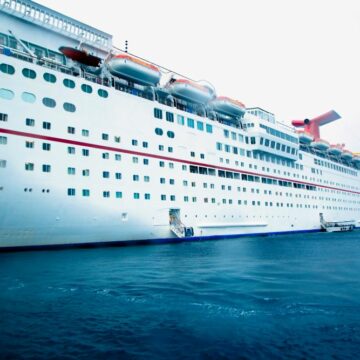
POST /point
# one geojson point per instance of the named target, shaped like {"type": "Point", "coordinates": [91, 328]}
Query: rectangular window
{"type": "Point", "coordinates": [136, 196]}
{"type": "Point", "coordinates": [161, 164]}
{"type": "Point", "coordinates": [29, 166]}
{"type": "Point", "coordinates": [71, 192]}
{"type": "Point", "coordinates": [219, 146]}
{"type": "Point", "coordinates": [30, 122]}
{"type": "Point", "coordinates": [3, 140]}
{"type": "Point", "coordinates": [46, 146]}
{"type": "Point", "coordinates": [2, 163]}
{"type": "Point", "coordinates": [226, 133]}
{"type": "Point", "coordinates": [200, 125]}
{"type": "Point", "coordinates": [209, 128]}
{"type": "Point", "coordinates": [29, 144]}
{"type": "Point", "coordinates": [161, 147]}
{"type": "Point", "coordinates": [180, 120]}
{"type": "Point", "coordinates": [146, 178]}
{"type": "Point", "coordinates": [71, 130]}
{"type": "Point", "coordinates": [158, 113]}
{"type": "Point", "coordinates": [85, 132]}
{"type": "Point", "coordinates": [135, 177]}
{"type": "Point", "coordinates": [186, 198]}
{"type": "Point", "coordinates": [134, 142]}
{"type": "Point", "coordinates": [105, 155]}
{"type": "Point", "coordinates": [105, 136]}
{"type": "Point", "coordinates": [118, 176]}
{"type": "Point", "coordinates": [71, 150]}
{"type": "Point", "coordinates": [86, 172]}
{"type": "Point", "coordinates": [117, 139]}
{"type": "Point", "coordinates": [86, 192]}
{"type": "Point", "coordinates": [106, 194]}
{"type": "Point", "coordinates": [118, 194]}
{"type": "Point", "coordinates": [147, 196]}
{"type": "Point", "coordinates": [169, 116]}
{"type": "Point", "coordinates": [163, 197]}
{"type": "Point", "coordinates": [171, 181]}
{"type": "Point", "coordinates": [172, 197]}
{"type": "Point", "coordinates": [145, 144]}
{"type": "Point", "coordinates": [170, 149]}
{"type": "Point", "coordinates": [190, 123]}
{"type": "Point", "coordinates": [146, 161]}
{"type": "Point", "coordinates": [46, 125]}
{"type": "Point", "coordinates": [85, 152]}
{"type": "Point", "coordinates": [3, 117]}
{"type": "Point", "coordinates": [162, 180]}
{"type": "Point", "coordinates": [106, 174]}
{"type": "Point", "coordinates": [71, 171]}
{"type": "Point", "coordinates": [135, 160]}
{"type": "Point", "coordinates": [118, 157]}
{"type": "Point", "coordinates": [46, 168]}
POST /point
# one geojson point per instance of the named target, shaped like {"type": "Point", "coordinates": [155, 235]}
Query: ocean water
{"type": "Point", "coordinates": [281, 297]}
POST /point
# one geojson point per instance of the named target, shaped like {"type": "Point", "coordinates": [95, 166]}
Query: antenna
{"type": "Point", "coordinates": [126, 46]}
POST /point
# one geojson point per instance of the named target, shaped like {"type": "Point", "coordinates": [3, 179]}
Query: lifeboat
{"type": "Point", "coordinates": [305, 137]}
{"type": "Point", "coordinates": [227, 106]}
{"type": "Point", "coordinates": [356, 159]}
{"type": "Point", "coordinates": [133, 69]}
{"type": "Point", "coordinates": [81, 56]}
{"type": "Point", "coordinates": [335, 150]}
{"type": "Point", "coordinates": [320, 144]}
{"type": "Point", "coordinates": [347, 155]}
{"type": "Point", "coordinates": [191, 91]}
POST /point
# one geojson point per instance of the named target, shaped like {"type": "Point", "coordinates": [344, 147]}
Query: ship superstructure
{"type": "Point", "coordinates": [96, 147]}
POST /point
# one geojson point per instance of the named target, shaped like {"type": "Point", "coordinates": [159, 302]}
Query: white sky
{"type": "Point", "coordinates": [295, 58]}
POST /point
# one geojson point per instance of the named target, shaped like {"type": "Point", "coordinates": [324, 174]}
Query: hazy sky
{"type": "Point", "coordinates": [294, 58]}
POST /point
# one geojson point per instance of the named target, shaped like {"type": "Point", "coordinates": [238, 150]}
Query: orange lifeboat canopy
{"type": "Point", "coordinates": [305, 137]}
{"type": "Point", "coordinates": [320, 144]}
{"type": "Point", "coordinates": [227, 106]}
{"type": "Point", "coordinates": [189, 90]}
{"type": "Point", "coordinates": [134, 69]}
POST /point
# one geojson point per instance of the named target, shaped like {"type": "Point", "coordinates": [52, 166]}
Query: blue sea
{"type": "Point", "coordinates": [281, 297]}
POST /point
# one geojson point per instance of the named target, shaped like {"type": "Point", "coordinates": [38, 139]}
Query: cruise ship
{"type": "Point", "coordinates": [99, 146]}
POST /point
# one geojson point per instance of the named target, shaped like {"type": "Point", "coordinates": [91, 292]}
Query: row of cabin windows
{"type": "Point", "coordinates": [334, 167]}
{"type": "Point", "coordinates": [160, 132]}
{"type": "Point", "coordinates": [158, 114]}
{"type": "Point", "coordinates": [234, 136]}
{"type": "Point", "coordinates": [107, 194]}
{"type": "Point", "coordinates": [71, 130]}
{"type": "Point", "coordinates": [30, 98]}
{"type": "Point", "coordinates": [277, 146]}
{"type": "Point", "coordinates": [233, 175]}
{"type": "Point", "coordinates": [51, 78]}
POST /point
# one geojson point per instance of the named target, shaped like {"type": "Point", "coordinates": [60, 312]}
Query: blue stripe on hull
{"type": "Point", "coordinates": [146, 241]}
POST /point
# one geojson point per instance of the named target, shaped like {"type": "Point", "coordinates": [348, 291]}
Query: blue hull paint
{"type": "Point", "coordinates": [146, 241]}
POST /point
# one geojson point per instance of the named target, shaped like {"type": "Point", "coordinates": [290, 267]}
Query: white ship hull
{"type": "Point", "coordinates": [158, 173]}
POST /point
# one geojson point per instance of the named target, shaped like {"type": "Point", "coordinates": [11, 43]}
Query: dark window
{"type": "Point", "coordinates": [69, 107]}
{"type": "Point", "coordinates": [86, 88]}
{"type": "Point", "coordinates": [51, 103]}
{"type": "Point", "coordinates": [28, 73]}
{"type": "Point", "coordinates": [7, 69]}
{"type": "Point", "coordinates": [30, 122]}
{"type": "Point", "coordinates": [46, 146]}
{"type": "Point", "coordinates": [103, 93]}
{"type": "Point", "coordinates": [51, 78]}
{"type": "Point", "coordinates": [169, 117]}
{"type": "Point", "coordinates": [46, 125]}
{"type": "Point", "coordinates": [170, 134]}
{"type": "Point", "coordinates": [158, 113]}
{"type": "Point", "coordinates": [158, 131]}
{"type": "Point", "coordinates": [69, 83]}
{"type": "Point", "coordinates": [3, 117]}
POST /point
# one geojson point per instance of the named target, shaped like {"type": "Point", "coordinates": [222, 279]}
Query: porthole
{"type": "Point", "coordinates": [49, 78]}
{"type": "Point", "coordinates": [69, 107]}
{"type": "Point", "coordinates": [28, 97]}
{"type": "Point", "coordinates": [48, 102]}
{"type": "Point", "coordinates": [7, 69]}
{"type": "Point", "coordinates": [6, 94]}
{"type": "Point", "coordinates": [28, 73]}
{"type": "Point", "coordinates": [103, 93]}
{"type": "Point", "coordinates": [69, 83]}
{"type": "Point", "coordinates": [171, 134]}
{"type": "Point", "coordinates": [86, 88]}
{"type": "Point", "coordinates": [158, 131]}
